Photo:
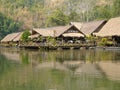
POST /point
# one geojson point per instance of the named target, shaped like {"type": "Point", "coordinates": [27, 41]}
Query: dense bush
{"type": "Point", "coordinates": [25, 35]}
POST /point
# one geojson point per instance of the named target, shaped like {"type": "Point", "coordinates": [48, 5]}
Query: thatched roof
{"type": "Point", "coordinates": [18, 38]}
{"type": "Point", "coordinates": [10, 37]}
{"type": "Point", "coordinates": [89, 27]}
{"type": "Point", "coordinates": [111, 28]}
{"type": "Point", "coordinates": [43, 32]}
{"type": "Point", "coordinates": [54, 31]}
{"type": "Point", "coordinates": [78, 25]}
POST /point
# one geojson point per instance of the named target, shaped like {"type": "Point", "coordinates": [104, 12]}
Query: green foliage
{"type": "Point", "coordinates": [102, 12]}
{"type": "Point", "coordinates": [91, 38]}
{"type": "Point", "coordinates": [51, 40]}
{"type": "Point", "coordinates": [20, 3]}
{"type": "Point", "coordinates": [73, 16]}
{"type": "Point", "coordinates": [7, 25]}
{"type": "Point", "coordinates": [25, 14]}
{"type": "Point", "coordinates": [25, 35]}
{"type": "Point", "coordinates": [116, 7]}
{"type": "Point", "coordinates": [40, 38]}
{"type": "Point", "coordinates": [104, 41]}
{"type": "Point", "coordinates": [57, 18]}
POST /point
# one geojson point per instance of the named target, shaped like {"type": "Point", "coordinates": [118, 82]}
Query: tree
{"type": "Point", "coordinates": [102, 12]}
{"type": "Point", "coordinates": [7, 25]}
{"type": "Point", "coordinates": [73, 16]}
{"type": "Point", "coordinates": [116, 6]}
{"type": "Point", "coordinates": [25, 35]}
{"type": "Point", "coordinates": [57, 18]}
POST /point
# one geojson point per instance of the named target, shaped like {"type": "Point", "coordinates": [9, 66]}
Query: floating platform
{"type": "Point", "coordinates": [57, 47]}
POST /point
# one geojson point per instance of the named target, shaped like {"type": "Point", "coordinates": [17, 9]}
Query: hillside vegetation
{"type": "Point", "coordinates": [17, 15]}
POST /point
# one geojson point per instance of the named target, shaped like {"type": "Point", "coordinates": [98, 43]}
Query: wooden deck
{"type": "Point", "coordinates": [56, 47]}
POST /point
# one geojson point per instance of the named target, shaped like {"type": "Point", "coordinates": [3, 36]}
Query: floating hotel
{"type": "Point", "coordinates": [75, 32]}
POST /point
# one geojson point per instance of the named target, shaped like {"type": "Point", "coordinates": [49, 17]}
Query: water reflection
{"type": "Point", "coordinates": [111, 70]}
{"type": "Point", "coordinates": [25, 69]}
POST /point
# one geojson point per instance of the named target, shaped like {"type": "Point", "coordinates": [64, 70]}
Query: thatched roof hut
{"type": "Point", "coordinates": [112, 28]}
{"type": "Point", "coordinates": [89, 27]}
{"type": "Point", "coordinates": [10, 37]}
{"type": "Point", "coordinates": [58, 31]}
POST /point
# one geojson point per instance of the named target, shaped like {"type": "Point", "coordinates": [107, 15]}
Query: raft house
{"type": "Point", "coordinates": [111, 31]}
{"type": "Point", "coordinates": [72, 36]}
{"type": "Point", "coordinates": [12, 39]}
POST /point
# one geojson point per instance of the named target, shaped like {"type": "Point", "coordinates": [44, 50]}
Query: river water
{"type": "Point", "coordinates": [92, 69]}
